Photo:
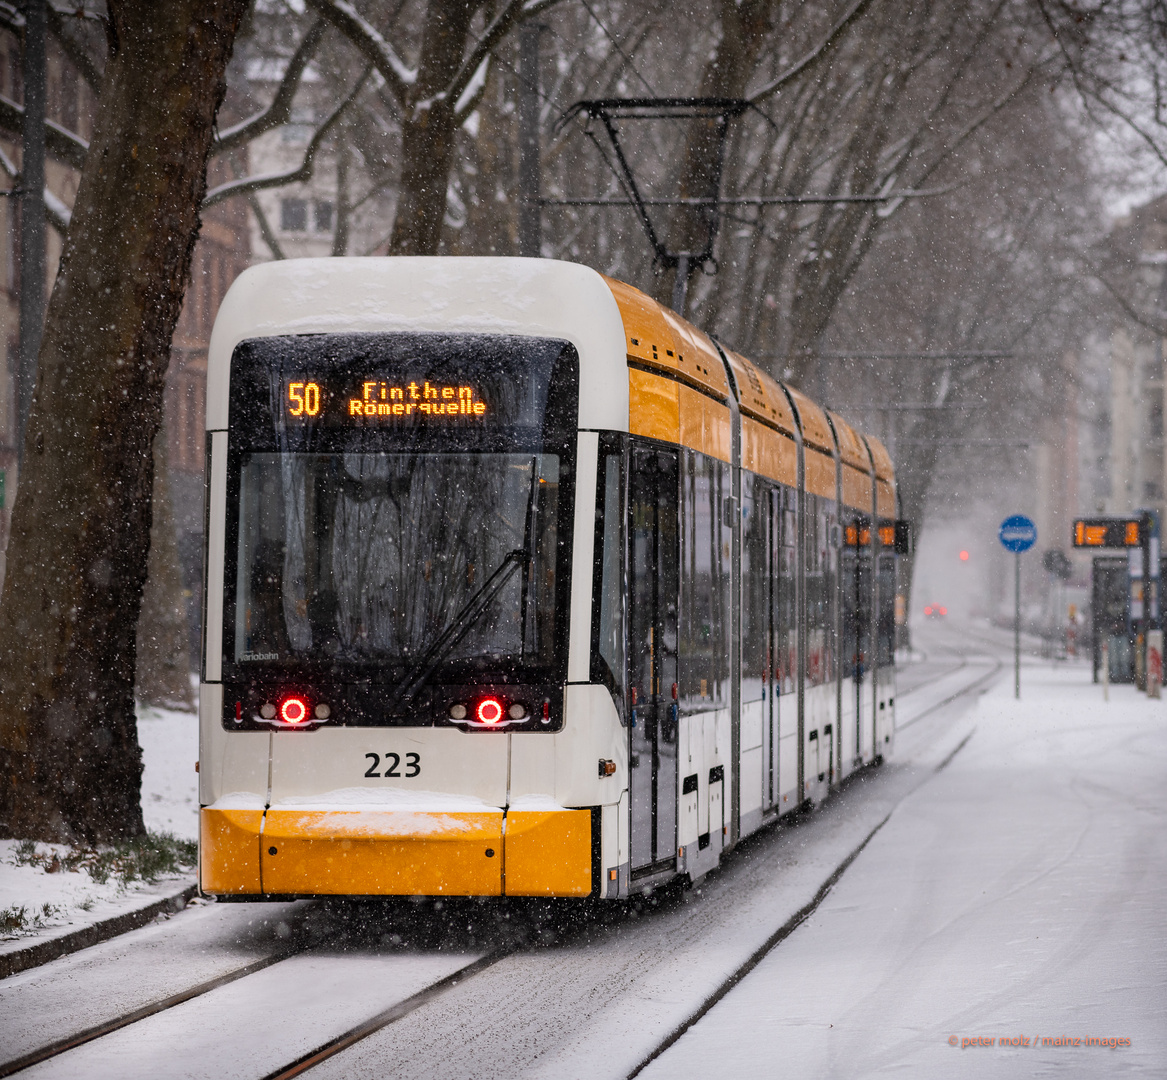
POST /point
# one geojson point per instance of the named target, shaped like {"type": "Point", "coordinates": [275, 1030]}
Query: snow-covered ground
{"type": "Point", "coordinates": [170, 748]}
{"type": "Point", "coordinates": [1010, 914]}
{"type": "Point", "coordinates": [35, 902]}
{"type": "Point", "coordinates": [1012, 888]}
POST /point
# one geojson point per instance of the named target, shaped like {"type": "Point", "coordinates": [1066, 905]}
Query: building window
{"type": "Point", "coordinates": [323, 215]}
{"type": "Point", "coordinates": [294, 215]}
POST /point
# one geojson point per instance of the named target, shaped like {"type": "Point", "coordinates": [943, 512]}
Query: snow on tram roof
{"type": "Point", "coordinates": [529, 297]}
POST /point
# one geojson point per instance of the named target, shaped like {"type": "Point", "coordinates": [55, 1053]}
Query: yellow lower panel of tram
{"type": "Point", "coordinates": [396, 853]}
{"type": "Point", "coordinates": [229, 851]}
{"type": "Point", "coordinates": [388, 853]}
{"type": "Point", "coordinates": [549, 853]}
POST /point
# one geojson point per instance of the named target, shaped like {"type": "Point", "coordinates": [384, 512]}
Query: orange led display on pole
{"type": "Point", "coordinates": [1106, 533]}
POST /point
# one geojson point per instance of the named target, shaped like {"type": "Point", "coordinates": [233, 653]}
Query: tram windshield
{"type": "Point", "coordinates": [370, 557]}
{"type": "Point", "coordinates": [398, 547]}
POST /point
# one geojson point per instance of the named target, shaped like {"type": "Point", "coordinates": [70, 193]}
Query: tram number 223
{"type": "Point", "coordinates": [392, 763]}
{"type": "Point", "coordinates": [303, 399]}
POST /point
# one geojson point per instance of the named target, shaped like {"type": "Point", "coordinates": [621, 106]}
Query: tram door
{"type": "Point", "coordinates": [652, 653]}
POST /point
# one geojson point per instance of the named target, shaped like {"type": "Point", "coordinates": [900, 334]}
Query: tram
{"type": "Point", "coordinates": [518, 584]}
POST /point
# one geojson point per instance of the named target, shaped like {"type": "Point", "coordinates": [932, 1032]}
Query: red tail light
{"type": "Point", "coordinates": [489, 711]}
{"type": "Point", "coordinates": [293, 710]}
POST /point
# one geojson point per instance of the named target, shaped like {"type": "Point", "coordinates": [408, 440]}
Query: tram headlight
{"type": "Point", "coordinates": [518, 711]}
{"type": "Point", "coordinates": [457, 711]}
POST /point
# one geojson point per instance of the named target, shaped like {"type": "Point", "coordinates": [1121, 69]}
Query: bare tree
{"type": "Point", "coordinates": [976, 303]}
{"type": "Point", "coordinates": [69, 755]}
{"type": "Point", "coordinates": [434, 98]}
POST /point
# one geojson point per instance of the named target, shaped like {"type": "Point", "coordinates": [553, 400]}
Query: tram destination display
{"type": "Point", "coordinates": [381, 401]}
{"type": "Point", "coordinates": [300, 388]}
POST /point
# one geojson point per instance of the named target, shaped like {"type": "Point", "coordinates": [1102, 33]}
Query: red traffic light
{"type": "Point", "coordinates": [964, 556]}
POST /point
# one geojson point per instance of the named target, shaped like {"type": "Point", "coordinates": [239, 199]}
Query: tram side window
{"type": "Point", "coordinates": [652, 572]}
{"type": "Point", "coordinates": [887, 610]}
{"type": "Point", "coordinates": [786, 614]}
{"type": "Point", "coordinates": [829, 510]}
{"type": "Point", "coordinates": [706, 538]}
{"type": "Point", "coordinates": [849, 646]}
{"type": "Point", "coordinates": [820, 590]}
{"type": "Point", "coordinates": [863, 600]}
{"type": "Point", "coordinates": [609, 651]}
{"type": "Point", "coordinates": [755, 585]}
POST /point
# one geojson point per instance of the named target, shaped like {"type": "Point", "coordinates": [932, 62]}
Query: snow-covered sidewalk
{"type": "Point", "coordinates": [1007, 921]}
{"type": "Point", "coordinates": [40, 901]}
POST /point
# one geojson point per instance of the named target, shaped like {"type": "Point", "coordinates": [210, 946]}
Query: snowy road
{"type": "Point", "coordinates": [979, 907]}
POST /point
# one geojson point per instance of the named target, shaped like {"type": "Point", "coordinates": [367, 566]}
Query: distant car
{"type": "Point", "coordinates": [935, 611]}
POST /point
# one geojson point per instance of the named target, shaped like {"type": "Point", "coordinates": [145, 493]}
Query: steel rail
{"type": "Point", "coordinates": [60, 1046]}
{"type": "Point", "coordinates": [383, 1019]}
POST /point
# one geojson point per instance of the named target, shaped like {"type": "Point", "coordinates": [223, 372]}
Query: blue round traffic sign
{"type": "Point", "coordinates": [1017, 533]}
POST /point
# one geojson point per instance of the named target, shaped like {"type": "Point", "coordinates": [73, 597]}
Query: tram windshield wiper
{"type": "Point", "coordinates": [459, 626]}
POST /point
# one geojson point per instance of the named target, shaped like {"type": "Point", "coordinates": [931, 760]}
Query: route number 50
{"type": "Point", "coordinates": [303, 398]}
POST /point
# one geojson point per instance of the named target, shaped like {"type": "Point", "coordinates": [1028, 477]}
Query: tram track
{"type": "Point", "coordinates": [98, 1031]}
{"type": "Point", "coordinates": [978, 682]}
{"type": "Point", "coordinates": [320, 1051]}
{"type": "Point", "coordinates": [342, 1042]}
{"type": "Point", "coordinates": [352, 1034]}
{"type": "Point", "coordinates": [988, 659]}
{"type": "Point", "coordinates": [929, 680]}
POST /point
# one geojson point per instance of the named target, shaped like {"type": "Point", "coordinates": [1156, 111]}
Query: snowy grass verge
{"type": "Point", "coordinates": [145, 858]}
{"type": "Point", "coordinates": [46, 885]}
{"type": "Point", "coordinates": [53, 889]}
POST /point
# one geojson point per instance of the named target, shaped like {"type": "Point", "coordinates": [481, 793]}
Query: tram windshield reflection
{"type": "Point", "coordinates": [366, 557]}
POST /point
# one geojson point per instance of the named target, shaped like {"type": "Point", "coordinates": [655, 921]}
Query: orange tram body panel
{"type": "Point", "coordinates": [351, 852]}
{"type": "Point", "coordinates": [519, 584]}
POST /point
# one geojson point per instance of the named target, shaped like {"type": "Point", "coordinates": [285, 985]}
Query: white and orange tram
{"type": "Point", "coordinates": [519, 584]}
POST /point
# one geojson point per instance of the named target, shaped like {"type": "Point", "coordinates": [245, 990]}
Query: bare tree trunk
{"type": "Point", "coordinates": [343, 211]}
{"type": "Point", "coordinates": [70, 764]}
{"type": "Point", "coordinates": [427, 133]}
{"type": "Point", "coordinates": [744, 29]}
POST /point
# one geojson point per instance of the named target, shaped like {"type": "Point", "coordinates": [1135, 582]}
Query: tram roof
{"type": "Point", "coordinates": [851, 448]}
{"type": "Point", "coordinates": [659, 338]}
{"type": "Point", "coordinates": [608, 321]}
{"type": "Point", "coordinates": [816, 431]}
{"type": "Point", "coordinates": [527, 297]}
{"type": "Point", "coordinates": [881, 459]}
{"type": "Point", "coordinates": [759, 395]}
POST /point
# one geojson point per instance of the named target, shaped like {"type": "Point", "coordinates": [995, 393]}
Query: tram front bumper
{"type": "Point", "coordinates": [349, 852]}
